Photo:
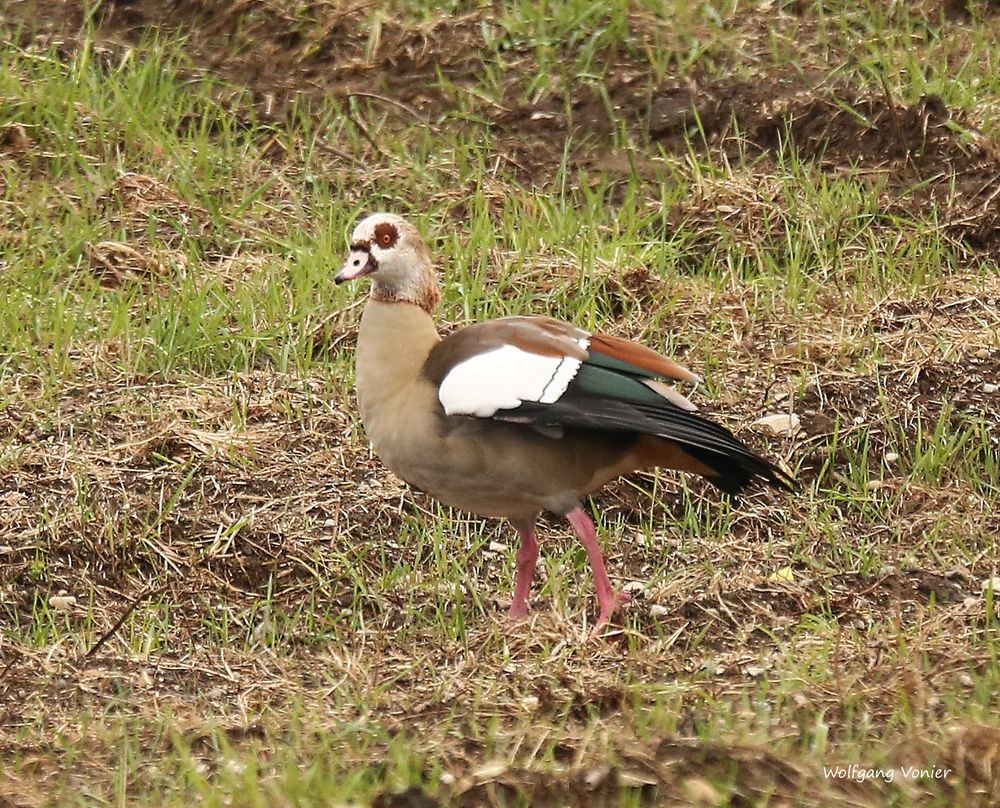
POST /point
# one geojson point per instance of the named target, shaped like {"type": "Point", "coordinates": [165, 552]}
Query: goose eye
{"type": "Point", "coordinates": [385, 235]}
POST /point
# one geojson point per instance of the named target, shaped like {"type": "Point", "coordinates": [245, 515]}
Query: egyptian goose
{"type": "Point", "coordinates": [515, 416]}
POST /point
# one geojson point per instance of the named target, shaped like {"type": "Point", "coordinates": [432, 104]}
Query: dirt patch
{"type": "Point", "coordinates": [927, 156]}
{"type": "Point", "coordinates": [130, 490]}
{"type": "Point", "coordinates": [140, 208]}
{"type": "Point", "coordinates": [925, 159]}
{"type": "Point", "coordinates": [282, 52]}
{"type": "Point", "coordinates": [928, 160]}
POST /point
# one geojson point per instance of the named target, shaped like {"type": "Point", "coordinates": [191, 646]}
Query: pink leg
{"type": "Point", "coordinates": [527, 556]}
{"type": "Point", "coordinates": [607, 600]}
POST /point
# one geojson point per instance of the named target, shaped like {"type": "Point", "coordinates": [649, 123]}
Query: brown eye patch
{"type": "Point", "coordinates": [386, 235]}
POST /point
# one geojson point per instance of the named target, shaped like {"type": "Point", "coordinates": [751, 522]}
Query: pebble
{"type": "Point", "coordinates": [780, 423]}
{"type": "Point", "coordinates": [891, 457]}
{"type": "Point", "coordinates": [62, 603]}
{"type": "Point", "coordinates": [702, 792]}
{"type": "Point", "coordinates": [990, 388]}
{"type": "Point", "coordinates": [597, 776]}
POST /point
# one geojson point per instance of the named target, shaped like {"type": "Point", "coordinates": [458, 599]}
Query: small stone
{"type": "Point", "coordinates": [780, 423]}
{"type": "Point", "coordinates": [498, 547]}
{"type": "Point", "coordinates": [529, 703]}
{"type": "Point", "coordinates": [596, 776]}
{"type": "Point", "coordinates": [991, 583]}
{"type": "Point", "coordinates": [990, 388]}
{"type": "Point", "coordinates": [965, 680]}
{"type": "Point", "coordinates": [447, 779]}
{"type": "Point", "coordinates": [754, 670]}
{"type": "Point", "coordinates": [62, 603]}
{"type": "Point", "coordinates": [891, 457]}
{"type": "Point", "coordinates": [702, 792]}
{"type": "Point", "coordinates": [658, 610]}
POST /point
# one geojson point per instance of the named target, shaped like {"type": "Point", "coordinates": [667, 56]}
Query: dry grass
{"type": "Point", "coordinates": [211, 591]}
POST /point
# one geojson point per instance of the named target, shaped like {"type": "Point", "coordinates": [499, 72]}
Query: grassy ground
{"type": "Point", "coordinates": [211, 592]}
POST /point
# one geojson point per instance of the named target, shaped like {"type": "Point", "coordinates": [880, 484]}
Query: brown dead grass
{"type": "Point", "coordinates": [300, 484]}
{"type": "Point", "coordinates": [297, 481]}
{"type": "Point", "coordinates": [924, 158]}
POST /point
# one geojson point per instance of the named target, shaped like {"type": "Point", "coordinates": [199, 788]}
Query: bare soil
{"type": "Point", "coordinates": [293, 475]}
{"type": "Point", "coordinates": [922, 156]}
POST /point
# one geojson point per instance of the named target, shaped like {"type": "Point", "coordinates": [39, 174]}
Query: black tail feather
{"type": "Point", "coordinates": [735, 473]}
{"type": "Point", "coordinates": [737, 466]}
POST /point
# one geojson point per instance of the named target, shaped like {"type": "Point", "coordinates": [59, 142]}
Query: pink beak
{"type": "Point", "coordinates": [359, 262]}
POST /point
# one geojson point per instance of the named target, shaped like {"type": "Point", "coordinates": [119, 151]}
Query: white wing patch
{"type": "Point", "coordinates": [504, 378]}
